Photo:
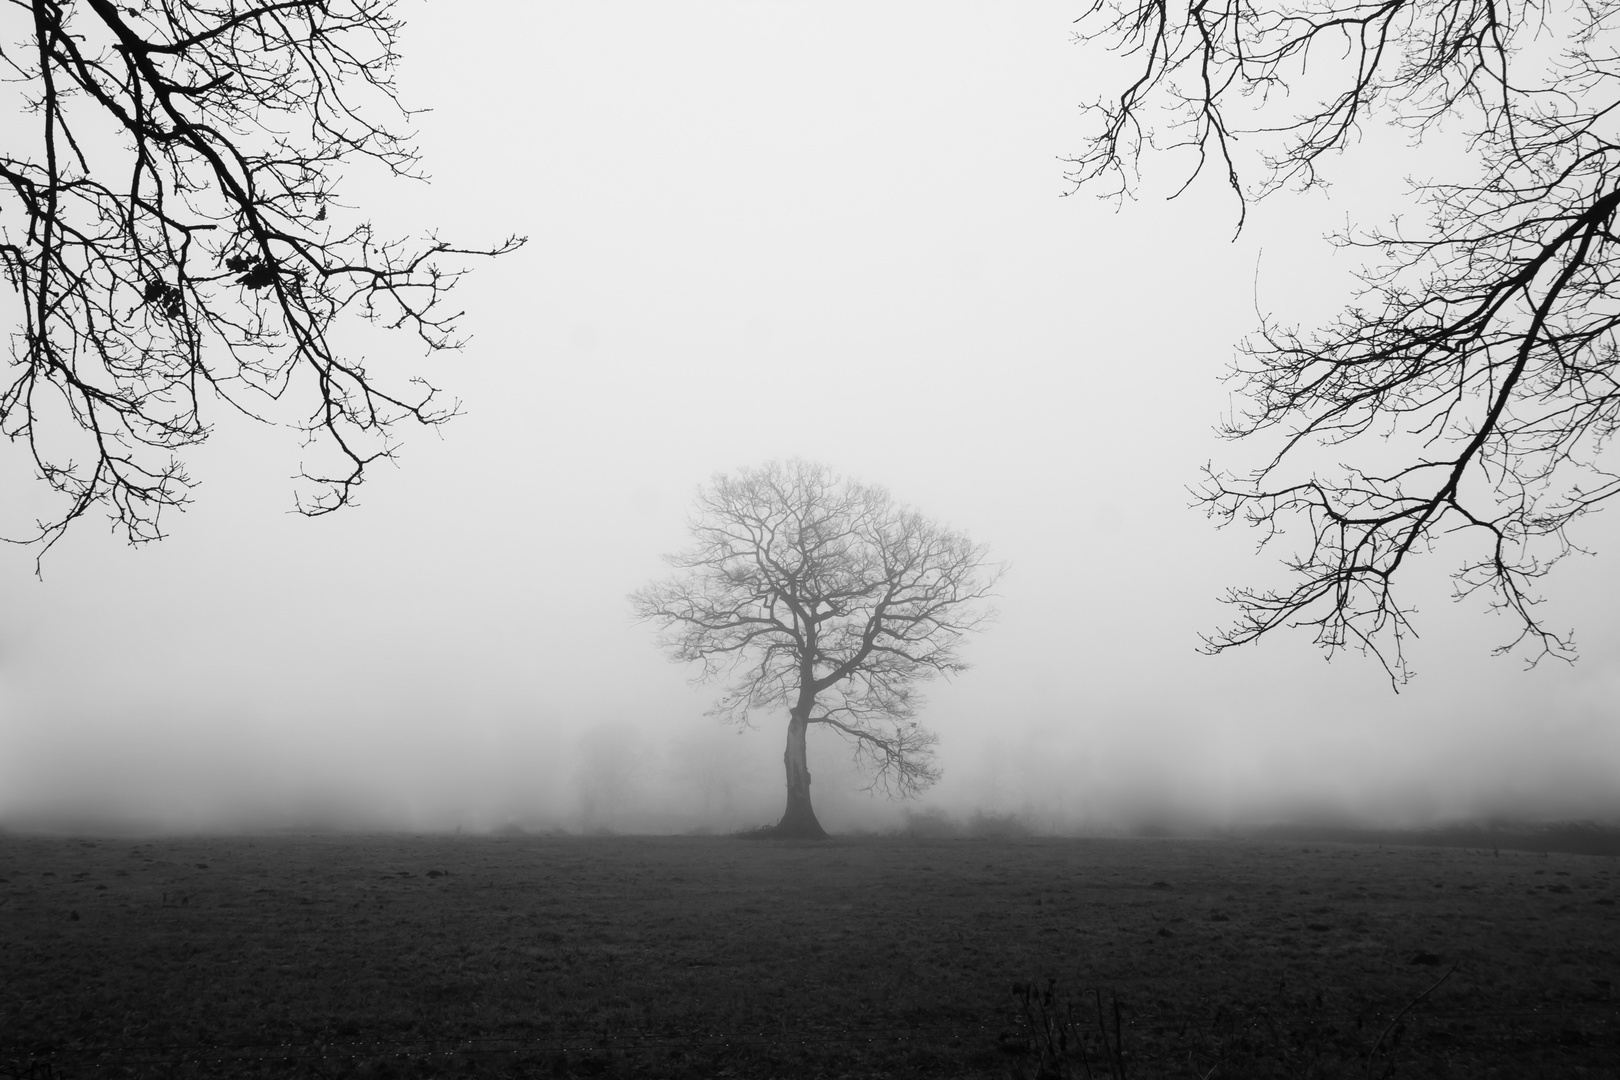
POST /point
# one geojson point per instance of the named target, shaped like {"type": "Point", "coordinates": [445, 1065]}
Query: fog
{"type": "Point", "coordinates": [758, 231]}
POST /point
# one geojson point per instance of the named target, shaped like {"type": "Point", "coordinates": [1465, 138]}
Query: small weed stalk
{"type": "Point", "coordinates": [1055, 1036]}
{"type": "Point", "coordinates": [1116, 1049]}
{"type": "Point", "coordinates": [1373, 1055]}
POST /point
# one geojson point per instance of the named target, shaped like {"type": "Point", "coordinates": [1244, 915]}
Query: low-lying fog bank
{"type": "Point", "coordinates": [1570, 837]}
{"type": "Point", "coordinates": [1114, 776]}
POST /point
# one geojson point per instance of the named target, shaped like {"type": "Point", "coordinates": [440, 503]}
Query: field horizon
{"type": "Point", "coordinates": [1576, 837]}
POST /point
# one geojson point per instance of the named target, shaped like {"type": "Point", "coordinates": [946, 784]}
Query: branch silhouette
{"type": "Point", "coordinates": [1468, 392]}
{"type": "Point", "coordinates": [171, 227]}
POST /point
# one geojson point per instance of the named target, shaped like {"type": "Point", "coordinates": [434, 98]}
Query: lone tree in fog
{"type": "Point", "coordinates": [1473, 386]}
{"type": "Point", "coordinates": [170, 230]}
{"type": "Point", "coordinates": [828, 597]}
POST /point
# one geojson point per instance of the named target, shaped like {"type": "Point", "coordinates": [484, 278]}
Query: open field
{"type": "Point", "coordinates": [339, 956]}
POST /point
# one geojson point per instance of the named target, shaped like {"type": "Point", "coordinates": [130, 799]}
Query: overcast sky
{"type": "Point", "coordinates": [829, 230]}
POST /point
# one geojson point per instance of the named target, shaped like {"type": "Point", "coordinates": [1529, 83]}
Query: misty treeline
{"type": "Point", "coordinates": [815, 592]}
{"type": "Point", "coordinates": [1467, 395]}
{"type": "Point", "coordinates": [172, 235]}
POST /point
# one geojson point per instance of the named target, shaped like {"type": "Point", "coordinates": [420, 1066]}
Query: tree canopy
{"type": "Point", "coordinates": [825, 596]}
{"type": "Point", "coordinates": [1470, 389]}
{"type": "Point", "coordinates": [171, 231]}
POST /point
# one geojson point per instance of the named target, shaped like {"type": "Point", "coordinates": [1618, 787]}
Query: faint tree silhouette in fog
{"type": "Point", "coordinates": [1470, 388]}
{"type": "Point", "coordinates": [171, 233]}
{"type": "Point", "coordinates": [828, 597]}
{"type": "Point", "coordinates": [609, 774]}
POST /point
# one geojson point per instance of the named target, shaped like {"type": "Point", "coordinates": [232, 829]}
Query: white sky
{"type": "Point", "coordinates": [762, 230]}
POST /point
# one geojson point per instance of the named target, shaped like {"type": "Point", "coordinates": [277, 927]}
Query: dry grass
{"type": "Point", "coordinates": [359, 955]}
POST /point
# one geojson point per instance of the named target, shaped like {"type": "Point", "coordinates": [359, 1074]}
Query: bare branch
{"type": "Point", "coordinates": [172, 231]}
{"type": "Point", "coordinates": [1469, 394]}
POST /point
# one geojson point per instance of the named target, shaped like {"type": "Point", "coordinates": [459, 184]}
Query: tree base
{"type": "Point", "coordinates": [799, 823]}
{"type": "Point", "coordinates": [773, 832]}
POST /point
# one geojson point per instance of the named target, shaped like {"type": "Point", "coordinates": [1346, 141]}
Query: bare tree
{"type": "Point", "coordinates": [171, 232]}
{"type": "Point", "coordinates": [1470, 388]}
{"type": "Point", "coordinates": [826, 596]}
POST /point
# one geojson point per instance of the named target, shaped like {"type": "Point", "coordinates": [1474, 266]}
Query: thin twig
{"type": "Point", "coordinates": [1403, 1012]}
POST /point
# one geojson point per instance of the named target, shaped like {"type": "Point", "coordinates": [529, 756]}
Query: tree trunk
{"type": "Point", "coordinates": [799, 819]}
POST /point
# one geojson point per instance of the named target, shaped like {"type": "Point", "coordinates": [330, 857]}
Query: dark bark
{"type": "Point", "coordinates": [799, 819]}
